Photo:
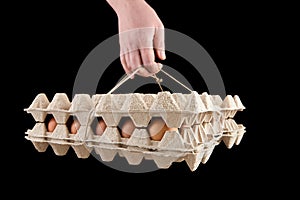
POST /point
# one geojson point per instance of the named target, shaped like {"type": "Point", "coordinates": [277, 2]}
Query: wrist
{"type": "Point", "coordinates": [120, 5]}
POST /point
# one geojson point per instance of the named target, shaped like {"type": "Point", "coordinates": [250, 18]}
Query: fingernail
{"type": "Point", "coordinates": [163, 55]}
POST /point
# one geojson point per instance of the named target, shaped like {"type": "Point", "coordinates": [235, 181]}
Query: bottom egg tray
{"type": "Point", "coordinates": [232, 133]}
{"type": "Point", "coordinates": [133, 155]}
{"type": "Point", "coordinates": [172, 148]}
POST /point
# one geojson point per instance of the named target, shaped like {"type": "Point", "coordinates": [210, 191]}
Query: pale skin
{"type": "Point", "coordinates": [141, 36]}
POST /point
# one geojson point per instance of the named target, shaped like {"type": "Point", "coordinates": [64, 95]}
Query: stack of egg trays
{"type": "Point", "coordinates": [200, 120]}
{"type": "Point", "coordinates": [60, 139]}
{"type": "Point", "coordinates": [232, 132]}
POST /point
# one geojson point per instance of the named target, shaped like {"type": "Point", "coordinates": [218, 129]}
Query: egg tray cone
{"type": "Point", "coordinates": [203, 121]}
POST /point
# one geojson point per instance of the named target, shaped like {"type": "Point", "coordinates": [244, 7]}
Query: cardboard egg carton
{"type": "Point", "coordinates": [202, 121]}
{"type": "Point", "coordinates": [61, 140]}
{"type": "Point", "coordinates": [232, 132]}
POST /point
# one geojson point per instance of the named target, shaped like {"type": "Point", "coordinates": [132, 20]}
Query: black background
{"type": "Point", "coordinates": [48, 41]}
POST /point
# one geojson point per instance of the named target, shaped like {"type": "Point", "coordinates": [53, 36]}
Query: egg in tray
{"type": "Point", "coordinates": [164, 127]}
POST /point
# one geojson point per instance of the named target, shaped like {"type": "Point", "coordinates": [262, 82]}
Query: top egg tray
{"type": "Point", "coordinates": [203, 121]}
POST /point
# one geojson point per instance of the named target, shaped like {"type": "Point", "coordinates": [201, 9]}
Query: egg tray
{"type": "Point", "coordinates": [203, 121]}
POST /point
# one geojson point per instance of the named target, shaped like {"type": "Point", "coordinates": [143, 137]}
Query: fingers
{"type": "Point", "coordinates": [124, 60]}
{"type": "Point", "coordinates": [159, 43]}
{"type": "Point", "coordinates": [147, 55]}
{"type": "Point", "coordinates": [143, 57]}
{"type": "Point", "coordinates": [139, 47]}
{"type": "Point", "coordinates": [134, 60]}
{"type": "Point", "coordinates": [160, 54]}
{"type": "Point", "coordinates": [124, 64]}
{"type": "Point", "coordinates": [149, 63]}
{"type": "Point", "coordinates": [131, 61]}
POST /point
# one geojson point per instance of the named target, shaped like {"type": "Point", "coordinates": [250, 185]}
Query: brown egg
{"type": "Point", "coordinates": [127, 128]}
{"type": "Point", "coordinates": [51, 125]}
{"type": "Point", "coordinates": [172, 129]}
{"type": "Point", "coordinates": [75, 126]}
{"type": "Point", "coordinates": [100, 128]}
{"type": "Point", "coordinates": [157, 129]}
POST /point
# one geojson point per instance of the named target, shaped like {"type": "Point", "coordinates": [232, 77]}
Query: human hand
{"type": "Point", "coordinates": [141, 36]}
